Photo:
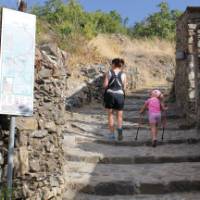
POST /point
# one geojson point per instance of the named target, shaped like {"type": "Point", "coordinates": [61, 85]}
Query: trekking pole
{"type": "Point", "coordinates": [164, 124]}
{"type": "Point", "coordinates": [140, 122]}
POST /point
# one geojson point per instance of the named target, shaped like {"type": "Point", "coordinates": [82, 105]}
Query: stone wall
{"type": "Point", "coordinates": [2, 151]}
{"type": "Point", "coordinates": [4, 127]}
{"type": "Point", "coordinates": [198, 76]}
{"type": "Point", "coordinates": [187, 83]}
{"type": "Point", "coordinates": [38, 163]}
{"type": "Point", "coordinates": [87, 92]}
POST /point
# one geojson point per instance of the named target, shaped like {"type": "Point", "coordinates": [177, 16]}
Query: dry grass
{"type": "Point", "coordinates": [84, 56]}
{"type": "Point", "coordinates": [148, 61]}
{"type": "Point", "coordinates": [152, 47]}
{"type": "Point", "coordinates": [106, 46]}
{"type": "Point", "coordinates": [116, 45]}
{"type": "Point", "coordinates": [151, 58]}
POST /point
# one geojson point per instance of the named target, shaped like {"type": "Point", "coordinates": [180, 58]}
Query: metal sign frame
{"type": "Point", "coordinates": [12, 127]}
{"type": "Point", "coordinates": [17, 63]}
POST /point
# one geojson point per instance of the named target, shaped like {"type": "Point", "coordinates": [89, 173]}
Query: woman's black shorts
{"type": "Point", "coordinates": [114, 101]}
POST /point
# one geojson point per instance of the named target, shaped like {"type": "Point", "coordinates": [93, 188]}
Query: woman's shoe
{"type": "Point", "coordinates": [154, 143]}
{"type": "Point", "coordinates": [111, 137]}
{"type": "Point", "coordinates": [120, 134]}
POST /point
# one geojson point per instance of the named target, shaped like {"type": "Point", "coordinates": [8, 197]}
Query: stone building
{"type": "Point", "coordinates": [187, 78]}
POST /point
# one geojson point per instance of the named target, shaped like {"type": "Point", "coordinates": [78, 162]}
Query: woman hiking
{"type": "Point", "coordinates": [114, 85]}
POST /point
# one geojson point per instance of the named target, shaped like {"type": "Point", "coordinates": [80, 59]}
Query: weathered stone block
{"type": "Point", "coordinates": [49, 147]}
{"type": "Point", "coordinates": [192, 94]}
{"type": "Point", "coordinates": [190, 49]}
{"type": "Point", "coordinates": [34, 166]}
{"type": "Point", "coordinates": [48, 194]}
{"type": "Point", "coordinates": [192, 84]}
{"type": "Point", "coordinates": [54, 182]}
{"type": "Point", "coordinates": [192, 26]}
{"type": "Point", "coordinates": [1, 159]}
{"type": "Point", "coordinates": [23, 139]}
{"type": "Point", "coordinates": [191, 76]}
{"type": "Point", "coordinates": [190, 40]}
{"type": "Point", "coordinates": [50, 49]}
{"type": "Point", "coordinates": [23, 158]}
{"type": "Point", "coordinates": [50, 126]}
{"type": "Point", "coordinates": [198, 44]}
{"type": "Point", "coordinates": [28, 123]}
{"type": "Point", "coordinates": [41, 124]}
{"type": "Point", "coordinates": [45, 73]}
{"type": "Point", "coordinates": [39, 134]}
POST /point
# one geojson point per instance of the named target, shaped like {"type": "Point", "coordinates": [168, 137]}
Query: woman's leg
{"type": "Point", "coordinates": [119, 124]}
{"type": "Point", "coordinates": [111, 121]}
{"type": "Point", "coordinates": [119, 119]}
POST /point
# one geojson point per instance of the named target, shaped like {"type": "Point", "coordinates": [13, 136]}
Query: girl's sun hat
{"type": "Point", "coordinates": [156, 93]}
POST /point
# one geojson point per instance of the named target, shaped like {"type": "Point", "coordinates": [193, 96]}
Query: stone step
{"type": "Point", "coordinates": [147, 143]}
{"type": "Point", "coordinates": [72, 195]}
{"type": "Point", "coordinates": [99, 109]}
{"type": "Point", "coordinates": [99, 124]}
{"type": "Point", "coordinates": [137, 96]}
{"type": "Point", "coordinates": [133, 106]}
{"type": "Point", "coordinates": [132, 179]}
{"type": "Point", "coordinates": [131, 113]}
{"type": "Point", "coordinates": [171, 125]}
{"type": "Point", "coordinates": [100, 135]}
{"type": "Point", "coordinates": [106, 154]}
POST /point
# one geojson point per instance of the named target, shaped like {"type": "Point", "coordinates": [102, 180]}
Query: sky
{"type": "Point", "coordinates": [135, 10]}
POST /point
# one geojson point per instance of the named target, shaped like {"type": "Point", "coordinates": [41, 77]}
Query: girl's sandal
{"type": "Point", "coordinates": [154, 143]}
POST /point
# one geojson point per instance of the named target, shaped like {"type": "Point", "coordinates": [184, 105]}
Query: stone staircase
{"type": "Point", "coordinates": [99, 169]}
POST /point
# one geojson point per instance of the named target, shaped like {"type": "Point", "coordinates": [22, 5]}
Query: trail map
{"type": "Point", "coordinates": [17, 55]}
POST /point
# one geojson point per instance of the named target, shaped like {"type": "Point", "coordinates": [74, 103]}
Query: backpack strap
{"type": "Point", "coordinates": [112, 78]}
{"type": "Point", "coordinates": [115, 77]}
{"type": "Point", "coordinates": [120, 78]}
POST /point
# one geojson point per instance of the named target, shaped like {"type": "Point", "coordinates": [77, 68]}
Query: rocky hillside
{"type": "Point", "coordinates": [149, 62]}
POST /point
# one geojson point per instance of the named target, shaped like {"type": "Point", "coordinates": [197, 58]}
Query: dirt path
{"type": "Point", "coordinates": [99, 169]}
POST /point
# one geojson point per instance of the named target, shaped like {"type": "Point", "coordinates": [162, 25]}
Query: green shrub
{"type": "Point", "coordinates": [5, 194]}
{"type": "Point", "coordinates": [71, 18]}
{"type": "Point", "coordinates": [161, 24]}
{"type": "Point", "coordinates": [68, 21]}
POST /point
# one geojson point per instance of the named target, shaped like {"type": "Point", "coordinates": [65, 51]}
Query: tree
{"type": "Point", "coordinates": [72, 19]}
{"type": "Point", "coordinates": [160, 24]}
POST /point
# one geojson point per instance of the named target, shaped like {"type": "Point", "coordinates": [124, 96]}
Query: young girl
{"type": "Point", "coordinates": [115, 84]}
{"type": "Point", "coordinates": [154, 105]}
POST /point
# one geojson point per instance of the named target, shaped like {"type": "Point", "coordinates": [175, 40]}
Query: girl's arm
{"type": "Point", "coordinates": [144, 107]}
{"type": "Point", "coordinates": [105, 83]}
{"type": "Point", "coordinates": [163, 107]}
